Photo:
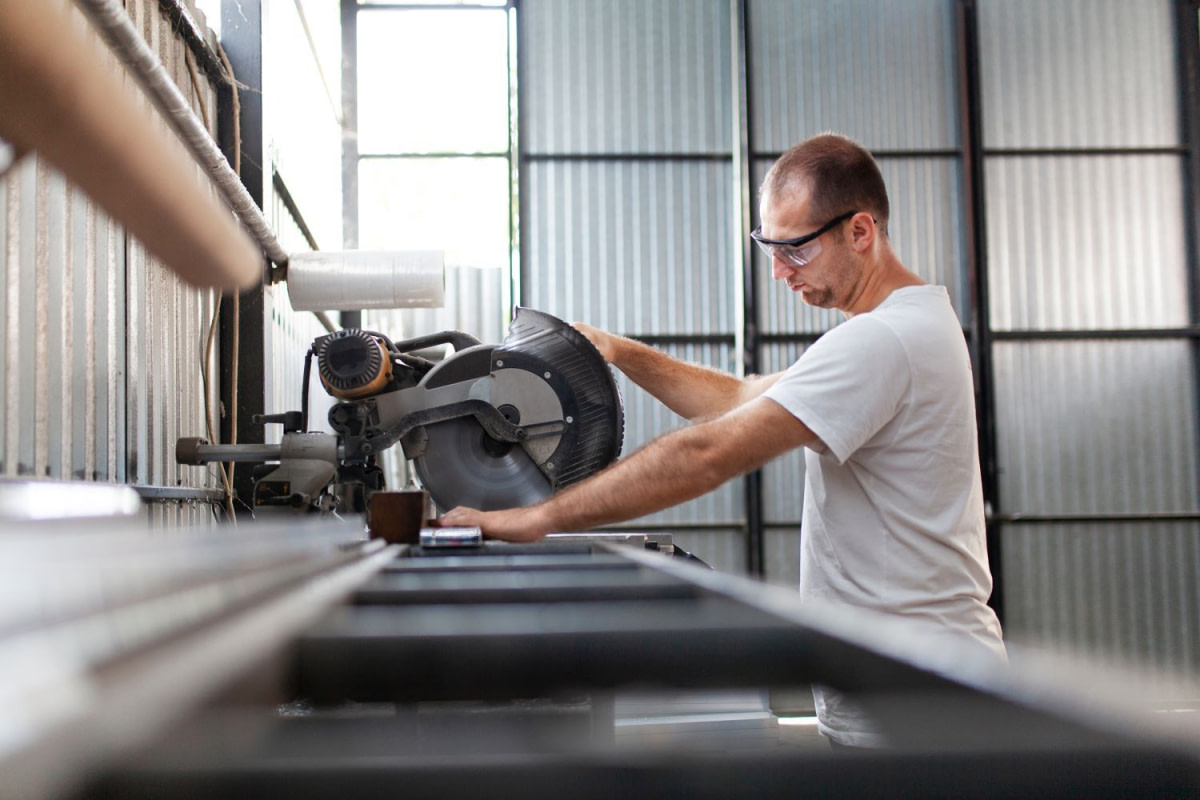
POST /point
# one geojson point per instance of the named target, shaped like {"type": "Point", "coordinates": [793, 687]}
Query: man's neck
{"type": "Point", "coordinates": [879, 281]}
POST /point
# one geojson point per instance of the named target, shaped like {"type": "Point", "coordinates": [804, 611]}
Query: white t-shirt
{"type": "Point", "coordinates": [893, 518]}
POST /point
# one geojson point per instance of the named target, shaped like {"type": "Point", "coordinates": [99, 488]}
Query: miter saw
{"type": "Point", "coordinates": [490, 426]}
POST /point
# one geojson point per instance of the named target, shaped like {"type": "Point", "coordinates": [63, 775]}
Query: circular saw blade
{"type": "Point", "coordinates": [457, 469]}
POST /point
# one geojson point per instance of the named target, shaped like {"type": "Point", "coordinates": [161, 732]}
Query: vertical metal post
{"type": "Point", "coordinates": [971, 123]}
{"type": "Point", "coordinates": [241, 36]}
{"type": "Point", "coordinates": [746, 335]}
{"type": "Point", "coordinates": [1187, 25]}
{"type": "Point", "coordinates": [350, 319]}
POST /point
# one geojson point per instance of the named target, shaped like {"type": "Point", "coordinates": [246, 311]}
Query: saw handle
{"type": "Point", "coordinates": [457, 339]}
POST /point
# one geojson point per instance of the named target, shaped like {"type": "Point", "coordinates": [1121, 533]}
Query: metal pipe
{"type": "Point", "coordinates": [61, 96]}
{"type": "Point", "coordinates": [116, 27]}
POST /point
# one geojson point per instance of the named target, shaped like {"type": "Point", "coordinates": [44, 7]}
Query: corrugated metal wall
{"type": "Point", "coordinates": [1086, 235]}
{"type": "Point", "coordinates": [102, 345]}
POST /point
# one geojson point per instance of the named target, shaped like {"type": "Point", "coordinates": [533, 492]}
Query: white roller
{"type": "Point", "coordinates": [350, 280]}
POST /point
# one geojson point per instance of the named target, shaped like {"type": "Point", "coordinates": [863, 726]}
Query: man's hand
{"type": "Point", "coordinates": [511, 525]}
{"type": "Point", "coordinates": [603, 340]}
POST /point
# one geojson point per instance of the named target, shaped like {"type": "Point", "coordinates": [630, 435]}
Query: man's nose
{"type": "Point", "coordinates": [780, 269]}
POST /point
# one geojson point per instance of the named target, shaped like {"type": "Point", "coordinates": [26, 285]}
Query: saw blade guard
{"type": "Point", "coordinates": [550, 379]}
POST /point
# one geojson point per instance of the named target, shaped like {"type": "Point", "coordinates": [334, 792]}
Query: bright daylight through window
{"type": "Point", "coordinates": [433, 132]}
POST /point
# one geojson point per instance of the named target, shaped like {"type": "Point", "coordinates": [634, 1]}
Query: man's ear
{"type": "Point", "coordinates": [863, 231]}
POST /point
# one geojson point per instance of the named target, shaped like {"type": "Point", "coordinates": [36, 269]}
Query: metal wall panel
{"type": "Point", "coordinates": [1096, 427]}
{"type": "Point", "coordinates": [625, 76]}
{"type": "Point", "coordinates": [474, 304]}
{"type": "Point", "coordinates": [1086, 242]}
{"type": "Point", "coordinates": [1114, 590]}
{"type": "Point", "coordinates": [633, 247]}
{"type": "Point", "coordinates": [781, 556]}
{"type": "Point", "coordinates": [927, 233]}
{"type": "Point", "coordinates": [102, 344]}
{"type": "Point", "coordinates": [1078, 73]}
{"type": "Point", "coordinates": [783, 478]}
{"type": "Point", "coordinates": [646, 419]}
{"type": "Point", "coordinates": [881, 71]}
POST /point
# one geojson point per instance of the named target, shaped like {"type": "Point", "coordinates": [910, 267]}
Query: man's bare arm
{"type": "Point", "coordinates": [692, 391]}
{"type": "Point", "coordinates": [672, 469]}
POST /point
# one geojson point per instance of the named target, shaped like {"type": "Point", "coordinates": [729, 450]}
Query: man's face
{"type": "Point", "coordinates": [831, 271]}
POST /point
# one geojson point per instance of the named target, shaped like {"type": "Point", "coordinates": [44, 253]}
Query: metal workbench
{"type": "Point", "coordinates": [285, 661]}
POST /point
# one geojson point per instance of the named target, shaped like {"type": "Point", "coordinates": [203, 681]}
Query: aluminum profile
{"type": "Point", "coordinates": [881, 71]}
{"type": "Point", "coordinates": [1096, 427]}
{"type": "Point", "coordinates": [1078, 73]}
{"type": "Point", "coordinates": [102, 344]}
{"type": "Point", "coordinates": [926, 230]}
{"type": "Point", "coordinates": [625, 76]}
{"type": "Point", "coordinates": [633, 247]}
{"type": "Point", "coordinates": [1086, 242]}
{"type": "Point", "coordinates": [1126, 592]}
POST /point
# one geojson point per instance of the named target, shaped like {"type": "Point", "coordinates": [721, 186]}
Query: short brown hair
{"type": "Point", "coordinates": [840, 173]}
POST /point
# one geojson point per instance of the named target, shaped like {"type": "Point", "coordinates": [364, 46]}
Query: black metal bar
{"type": "Point", "coordinates": [293, 210]}
{"type": "Point", "coordinates": [798, 337]}
{"type": "Point", "coordinates": [744, 192]}
{"type": "Point", "coordinates": [1063, 519]}
{"type": "Point", "coordinates": [1187, 24]}
{"type": "Point", "coordinates": [350, 156]}
{"type": "Point", "coordinates": [241, 33]}
{"type": "Point", "coordinates": [194, 39]}
{"type": "Point", "coordinates": [655, 157]}
{"type": "Point", "coordinates": [971, 124]}
{"type": "Point", "coordinates": [1191, 332]}
{"type": "Point", "coordinates": [1051, 152]}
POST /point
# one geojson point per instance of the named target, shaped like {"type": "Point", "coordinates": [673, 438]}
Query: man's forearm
{"type": "Point", "coordinates": [690, 390]}
{"type": "Point", "coordinates": [670, 470]}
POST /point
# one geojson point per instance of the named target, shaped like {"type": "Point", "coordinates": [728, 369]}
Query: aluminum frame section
{"type": "Point", "coordinates": [625, 77]}
{"type": "Point", "coordinates": [893, 88]}
{"type": "Point", "coordinates": [630, 246]}
{"type": "Point", "coordinates": [1078, 73]}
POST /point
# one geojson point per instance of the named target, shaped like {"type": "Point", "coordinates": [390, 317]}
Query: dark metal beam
{"type": "Point", "coordinates": [971, 124]}
{"type": "Point", "coordinates": [743, 169]}
{"type": "Point", "coordinates": [1187, 24]}
{"type": "Point", "coordinates": [241, 34]}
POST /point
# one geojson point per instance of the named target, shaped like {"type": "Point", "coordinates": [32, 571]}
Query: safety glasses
{"type": "Point", "coordinates": [798, 251]}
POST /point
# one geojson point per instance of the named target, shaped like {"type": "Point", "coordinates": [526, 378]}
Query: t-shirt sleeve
{"type": "Point", "coordinates": [848, 385]}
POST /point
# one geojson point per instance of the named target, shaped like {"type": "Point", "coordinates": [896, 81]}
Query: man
{"type": "Point", "coordinates": [883, 404]}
